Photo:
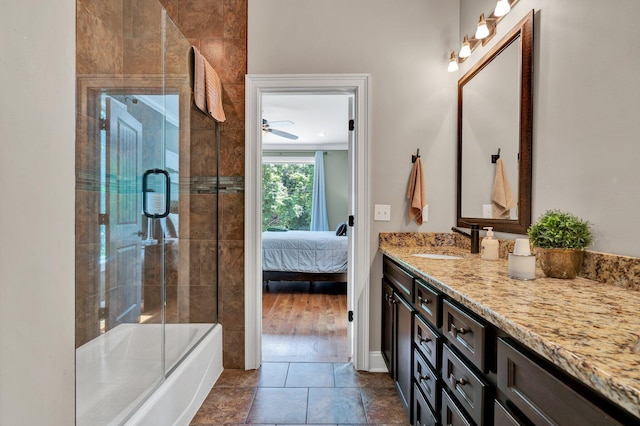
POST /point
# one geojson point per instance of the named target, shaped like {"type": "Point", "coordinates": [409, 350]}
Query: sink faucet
{"type": "Point", "coordinates": [474, 235]}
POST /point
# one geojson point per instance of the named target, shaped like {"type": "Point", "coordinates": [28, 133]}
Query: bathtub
{"type": "Point", "coordinates": [120, 372]}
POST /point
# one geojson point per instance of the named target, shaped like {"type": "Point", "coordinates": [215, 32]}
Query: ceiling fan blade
{"type": "Point", "coordinates": [283, 134]}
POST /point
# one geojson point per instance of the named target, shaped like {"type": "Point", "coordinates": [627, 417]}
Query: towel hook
{"type": "Point", "coordinates": [494, 157]}
{"type": "Point", "coordinates": [415, 157]}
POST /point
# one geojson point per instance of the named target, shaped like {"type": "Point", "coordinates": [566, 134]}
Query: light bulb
{"type": "Point", "coordinates": [502, 8]}
{"type": "Point", "coordinates": [482, 30]}
{"type": "Point", "coordinates": [465, 51]}
{"type": "Point", "coordinates": [453, 64]}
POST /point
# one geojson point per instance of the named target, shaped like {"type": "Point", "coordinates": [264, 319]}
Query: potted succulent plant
{"type": "Point", "coordinates": [560, 239]}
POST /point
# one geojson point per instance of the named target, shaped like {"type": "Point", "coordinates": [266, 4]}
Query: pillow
{"type": "Point", "coordinates": [341, 230]}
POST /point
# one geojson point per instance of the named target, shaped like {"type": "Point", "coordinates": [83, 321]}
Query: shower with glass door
{"type": "Point", "coordinates": [140, 309]}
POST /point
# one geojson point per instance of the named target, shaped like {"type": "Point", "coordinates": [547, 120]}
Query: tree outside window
{"type": "Point", "coordinates": [286, 195]}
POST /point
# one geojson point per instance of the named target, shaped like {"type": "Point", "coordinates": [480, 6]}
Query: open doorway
{"type": "Point", "coordinates": [356, 87]}
{"type": "Point", "coordinates": [305, 209]}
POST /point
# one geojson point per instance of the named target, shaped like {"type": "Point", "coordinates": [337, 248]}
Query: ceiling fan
{"type": "Point", "coordinates": [266, 128]}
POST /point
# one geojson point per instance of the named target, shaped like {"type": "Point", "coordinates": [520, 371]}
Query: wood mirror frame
{"type": "Point", "coordinates": [524, 31]}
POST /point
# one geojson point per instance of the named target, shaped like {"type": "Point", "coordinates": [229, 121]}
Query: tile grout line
{"type": "Point", "coordinates": [255, 392]}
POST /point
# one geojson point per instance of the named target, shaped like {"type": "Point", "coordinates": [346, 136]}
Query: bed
{"type": "Point", "coordinates": [304, 256]}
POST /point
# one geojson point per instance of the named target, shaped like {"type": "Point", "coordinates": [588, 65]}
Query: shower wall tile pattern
{"type": "Point", "coordinates": [218, 28]}
{"type": "Point", "coordinates": [129, 40]}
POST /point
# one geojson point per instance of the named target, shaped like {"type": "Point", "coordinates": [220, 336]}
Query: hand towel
{"type": "Point", "coordinates": [199, 81]}
{"type": "Point", "coordinates": [501, 197]}
{"type": "Point", "coordinates": [213, 90]}
{"type": "Point", "coordinates": [207, 89]}
{"type": "Point", "coordinates": [416, 192]}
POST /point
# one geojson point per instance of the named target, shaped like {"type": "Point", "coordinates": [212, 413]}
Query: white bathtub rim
{"type": "Point", "coordinates": [170, 404]}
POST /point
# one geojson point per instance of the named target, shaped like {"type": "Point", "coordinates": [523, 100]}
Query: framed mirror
{"type": "Point", "coordinates": [495, 106]}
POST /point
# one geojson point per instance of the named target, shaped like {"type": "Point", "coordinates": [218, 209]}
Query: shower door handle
{"type": "Point", "coordinates": [145, 192]}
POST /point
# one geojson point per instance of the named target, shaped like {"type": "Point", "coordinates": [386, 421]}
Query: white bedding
{"type": "Point", "coordinates": [304, 251]}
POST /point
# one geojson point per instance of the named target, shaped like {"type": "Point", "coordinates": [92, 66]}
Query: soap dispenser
{"type": "Point", "coordinates": [490, 247]}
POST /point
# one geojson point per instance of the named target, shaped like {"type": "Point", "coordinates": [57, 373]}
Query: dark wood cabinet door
{"type": "Point", "coordinates": [387, 325]}
{"type": "Point", "coordinates": [422, 413]}
{"type": "Point", "coordinates": [428, 302]}
{"type": "Point", "coordinates": [426, 380]}
{"type": "Point", "coordinates": [470, 389]}
{"type": "Point", "coordinates": [451, 414]}
{"type": "Point", "coordinates": [465, 333]}
{"type": "Point", "coordinates": [427, 341]}
{"type": "Point", "coordinates": [543, 398]}
{"type": "Point", "coordinates": [404, 352]}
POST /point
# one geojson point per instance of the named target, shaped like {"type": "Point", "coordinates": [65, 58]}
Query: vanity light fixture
{"type": "Point", "coordinates": [453, 64]}
{"type": "Point", "coordinates": [486, 29]}
{"type": "Point", "coordinates": [465, 51]}
{"type": "Point", "coordinates": [483, 30]}
{"type": "Point", "coordinates": [502, 8]}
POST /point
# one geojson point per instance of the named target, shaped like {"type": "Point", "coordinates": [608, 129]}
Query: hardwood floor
{"type": "Point", "coordinates": [304, 322]}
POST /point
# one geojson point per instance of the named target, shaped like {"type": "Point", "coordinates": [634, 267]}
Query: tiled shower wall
{"type": "Point", "coordinates": [218, 28]}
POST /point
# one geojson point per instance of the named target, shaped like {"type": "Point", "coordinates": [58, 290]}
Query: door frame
{"type": "Point", "coordinates": [255, 86]}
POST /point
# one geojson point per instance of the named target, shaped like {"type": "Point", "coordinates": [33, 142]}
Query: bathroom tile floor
{"type": "Point", "coordinates": [320, 393]}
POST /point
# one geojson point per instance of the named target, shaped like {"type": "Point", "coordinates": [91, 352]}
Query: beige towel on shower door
{"type": "Point", "coordinates": [501, 197]}
{"type": "Point", "coordinates": [416, 192]}
{"type": "Point", "coordinates": [207, 89]}
{"type": "Point", "coordinates": [199, 81]}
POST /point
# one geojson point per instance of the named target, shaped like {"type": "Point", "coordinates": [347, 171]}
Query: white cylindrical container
{"type": "Point", "coordinates": [522, 267]}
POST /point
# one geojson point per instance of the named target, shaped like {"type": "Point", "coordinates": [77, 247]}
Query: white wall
{"type": "Point", "coordinates": [37, 146]}
{"type": "Point", "coordinates": [585, 120]}
{"type": "Point", "coordinates": [404, 45]}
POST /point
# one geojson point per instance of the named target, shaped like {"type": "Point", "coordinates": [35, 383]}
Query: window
{"type": "Point", "coordinates": [287, 185]}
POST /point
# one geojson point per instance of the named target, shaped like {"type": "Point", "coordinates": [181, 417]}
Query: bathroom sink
{"type": "Point", "coordinates": [436, 256]}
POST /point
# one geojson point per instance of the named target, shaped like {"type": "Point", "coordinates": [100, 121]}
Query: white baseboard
{"type": "Point", "coordinates": [376, 363]}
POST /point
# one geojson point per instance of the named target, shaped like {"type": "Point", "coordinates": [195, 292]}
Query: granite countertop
{"type": "Point", "coordinates": [588, 329]}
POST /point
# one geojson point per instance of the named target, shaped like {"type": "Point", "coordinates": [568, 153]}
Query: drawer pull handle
{"type": "Point", "coordinates": [455, 330]}
{"type": "Point", "coordinates": [424, 301]}
{"type": "Point", "coordinates": [454, 382]}
{"type": "Point", "coordinates": [424, 378]}
{"type": "Point", "coordinates": [424, 339]}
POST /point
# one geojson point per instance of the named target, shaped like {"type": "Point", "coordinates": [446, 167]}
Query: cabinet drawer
{"type": "Point", "coordinates": [428, 302]}
{"type": "Point", "coordinates": [450, 413]}
{"type": "Point", "coordinates": [427, 341]}
{"type": "Point", "coordinates": [426, 379]}
{"type": "Point", "coordinates": [543, 398]}
{"type": "Point", "coordinates": [398, 277]}
{"type": "Point", "coordinates": [502, 416]}
{"type": "Point", "coordinates": [470, 389]}
{"type": "Point", "coordinates": [465, 333]}
{"type": "Point", "coordinates": [422, 414]}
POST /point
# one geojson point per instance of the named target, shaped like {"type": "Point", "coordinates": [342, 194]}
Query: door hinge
{"type": "Point", "coordinates": [351, 220]}
{"type": "Point", "coordinates": [350, 316]}
{"type": "Point", "coordinates": [103, 124]}
{"type": "Point", "coordinates": [103, 219]}
{"type": "Point", "coordinates": [352, 124]}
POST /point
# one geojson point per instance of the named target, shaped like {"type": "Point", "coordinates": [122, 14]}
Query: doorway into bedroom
{"type": "Point", "coordinates": [305, 207]}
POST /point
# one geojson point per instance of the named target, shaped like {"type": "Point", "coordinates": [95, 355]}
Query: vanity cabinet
{"type": "Point", "coordinates": [398, 330]}
{"type": "Point", "coordinates": [452, 367]}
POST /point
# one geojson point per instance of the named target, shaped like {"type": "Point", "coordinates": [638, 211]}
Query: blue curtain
{"type": "Point", "coordinates": [319, 220]}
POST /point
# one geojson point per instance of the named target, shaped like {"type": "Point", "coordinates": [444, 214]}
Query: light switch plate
{"type": "Point", "coordinates": [382, 212]}
{"type": "Point", "coordinates": [486, 211]}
